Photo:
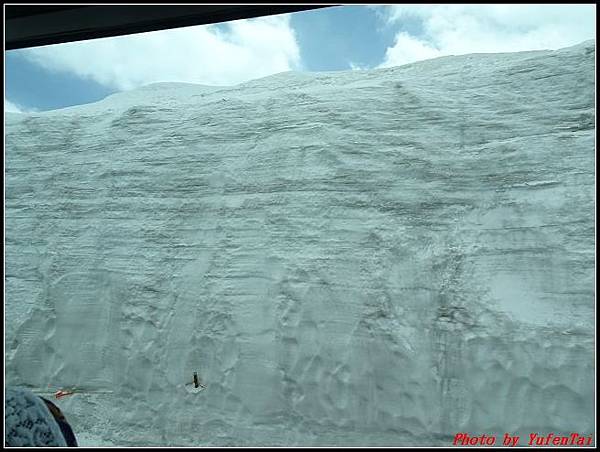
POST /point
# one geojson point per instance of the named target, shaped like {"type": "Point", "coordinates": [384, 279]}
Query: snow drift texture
{"type": "Point", "coordinates": [380, 257]}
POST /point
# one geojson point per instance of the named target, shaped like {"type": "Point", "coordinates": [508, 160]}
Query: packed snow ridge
{"type": "Point", "coordinates": [364, 258]}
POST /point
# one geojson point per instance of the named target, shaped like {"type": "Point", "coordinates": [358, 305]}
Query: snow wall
{"type": "Point", "coordinates": [364, 258]}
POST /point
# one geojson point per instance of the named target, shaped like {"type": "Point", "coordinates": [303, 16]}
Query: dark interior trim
{"type": "Point", "coordinates": [33, 25]}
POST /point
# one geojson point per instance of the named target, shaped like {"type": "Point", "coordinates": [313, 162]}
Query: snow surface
{"type": "Point", "coordinates": [364, 258]}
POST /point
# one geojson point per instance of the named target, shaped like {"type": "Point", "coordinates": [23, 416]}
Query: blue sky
{"type": "Point", "coordinates": [329, 39]}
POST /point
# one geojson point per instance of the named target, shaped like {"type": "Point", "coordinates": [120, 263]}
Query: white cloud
{"type": "Point", "coordinates": [462, 29]}
{"type": "Point", "coordinates": [245, 50]}
{"type": "Point", "coordinates": [9, 107]}
{"type": "Point", "coordinates": [357, 67]}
